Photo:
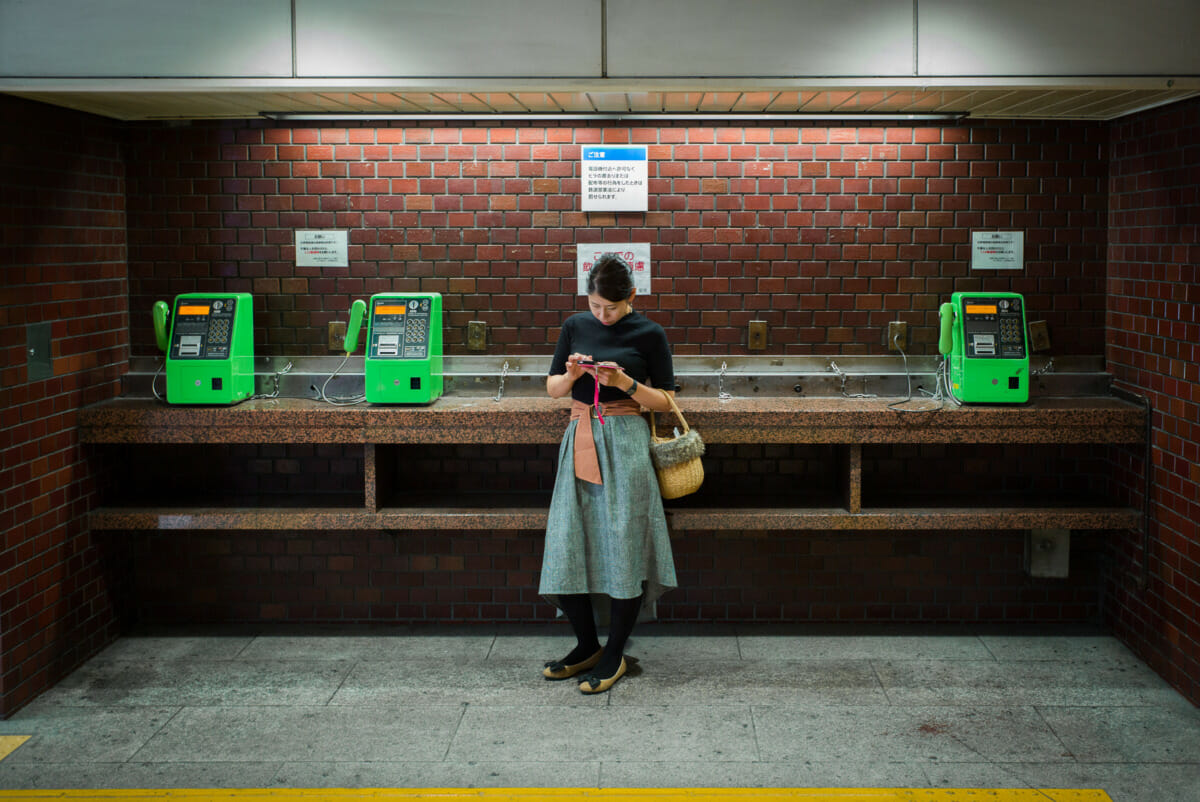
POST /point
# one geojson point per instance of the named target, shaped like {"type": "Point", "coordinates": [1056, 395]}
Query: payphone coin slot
{"type": "Point", "coordinates": [389, 345]}
{"type": "Point", "coordinates": [190, 345]}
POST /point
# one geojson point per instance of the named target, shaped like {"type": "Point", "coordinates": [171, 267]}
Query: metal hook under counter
{"type": "Point", "coordinates": [721, 394]}
{"type": "Point", "coordinates": [843, 376]}
{"type": "Point", "coordinates": [503, 375]}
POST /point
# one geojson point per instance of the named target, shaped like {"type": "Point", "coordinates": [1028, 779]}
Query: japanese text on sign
{"type": "Point", "coordinates": [322, 249]}
{"type": "Point", "coordinates": [614, 179]}
{"type": "Point", "coordinates": [636, 254]}
{"type": "Point", "coordinates": [997, 250]}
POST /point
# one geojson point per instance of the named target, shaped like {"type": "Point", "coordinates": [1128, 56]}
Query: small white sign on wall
{"type": "Point", "coordinates": [322, 249]}
{"type": "Point", "coordinates": [637, 254]}
{"type": "Point", "coordinates": [997, 250]}
{"type": "Point", "coordinates": [614, 178]}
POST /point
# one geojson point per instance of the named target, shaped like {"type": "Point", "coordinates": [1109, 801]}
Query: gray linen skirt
{"type": "Point", "coordinates": [608, 539]}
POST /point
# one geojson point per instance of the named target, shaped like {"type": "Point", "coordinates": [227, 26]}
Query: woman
{"type": "Point", "coordinates": [607, 534]}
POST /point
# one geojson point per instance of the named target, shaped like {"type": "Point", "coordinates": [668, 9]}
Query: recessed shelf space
{"type": "Point", "coordinates": [741, 476]}
{"type": "Point", "coordinates": [461, 481]}
{"type": "Point", "coordinates": [772, 464]}
{"type": "Point", "coordinates": [983, 475]}
{"type": "Point", "coordinates": [216, 485]}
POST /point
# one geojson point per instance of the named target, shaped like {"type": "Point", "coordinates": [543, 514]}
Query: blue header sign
{"type": "Point", "coordinates": [614, 178]}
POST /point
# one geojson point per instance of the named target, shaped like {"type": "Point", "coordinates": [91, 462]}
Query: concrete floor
{"type": "Point", "coordinates": [705, 706]}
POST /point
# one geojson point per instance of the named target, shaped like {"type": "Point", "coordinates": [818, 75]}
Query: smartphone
{"type": "Point", "coordinates": [583, 364]}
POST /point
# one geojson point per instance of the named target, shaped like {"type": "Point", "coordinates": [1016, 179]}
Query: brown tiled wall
{"type": "Point", "coordinates": [1154, 350]}
{"type": "Point", "coordinates": [62, 253]}
{"type": "Point", "coordinates": [984, 474]}
{"type": "Point", "coordinates": [492, 576]}
{"type": "Point", "coordinates": [724, 576]}
{"type": "Point", "coordinates": [217, 474]}
{"type": "Point", "coordinates": [741, 475]}
{"type": "Point", "coordinates": [825, 233]}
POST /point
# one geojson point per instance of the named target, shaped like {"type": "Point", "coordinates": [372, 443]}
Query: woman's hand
{"type": "Point", "coordinates": [574, 370]}
{"type": "Point", "coordinates": [610, 374]}
{"type": "Point", "coordinates": [560, 385]}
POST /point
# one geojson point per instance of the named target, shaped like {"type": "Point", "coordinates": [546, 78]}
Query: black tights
{"type": "Point", "coordinates": [578, 609]}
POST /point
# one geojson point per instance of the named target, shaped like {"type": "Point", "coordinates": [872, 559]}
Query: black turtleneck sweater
{"type": "Point", "coordinates": [637, 344]}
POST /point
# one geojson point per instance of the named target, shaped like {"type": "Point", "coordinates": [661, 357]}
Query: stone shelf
{"type": "Point", "coordinates": [845, 424]}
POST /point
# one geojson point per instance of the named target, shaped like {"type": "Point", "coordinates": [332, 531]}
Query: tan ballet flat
{"type": "Point", "coordinates": [593, 684]}
{"type": "Point", "coordinates": [556, 669]}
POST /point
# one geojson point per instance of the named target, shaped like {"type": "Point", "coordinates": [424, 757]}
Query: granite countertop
{"type": "Point", "coordinates": [524, 419]}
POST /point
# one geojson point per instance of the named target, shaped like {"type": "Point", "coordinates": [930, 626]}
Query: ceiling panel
{"type": "Point", "coordinates": [214, 38]}
{"type": "Point", "coordinates": [765, 37]}
{"type": "Point", "coordinates": [1063, 37]}
{"type": "Point", "coordinates": [498, 38]}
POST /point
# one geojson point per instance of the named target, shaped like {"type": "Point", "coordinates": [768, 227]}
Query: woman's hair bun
{"type": "Point", "coordinates": [611, 278]}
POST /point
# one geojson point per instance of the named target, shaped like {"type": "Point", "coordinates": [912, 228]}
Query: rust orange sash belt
{"type": "Point", "coordinates": [587, 464]}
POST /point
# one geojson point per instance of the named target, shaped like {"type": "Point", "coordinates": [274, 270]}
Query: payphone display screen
{"type": "Point", "coordinates": [203, 329]}
{"type": "Point", "coordinates": [994, 328]}
{"type": "Point", "coordinates": [400, 328]}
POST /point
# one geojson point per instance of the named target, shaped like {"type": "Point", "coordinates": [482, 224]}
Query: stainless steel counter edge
{"type": "Point", "coordinates": [833, 376]}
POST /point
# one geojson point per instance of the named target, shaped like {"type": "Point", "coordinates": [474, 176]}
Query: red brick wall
{"type": "Point", "coordinates": [825, 233]}
{"type": "Point", "coordinates": [1154, 349]}
{"type": "Point", "coordinates": [62, 252]}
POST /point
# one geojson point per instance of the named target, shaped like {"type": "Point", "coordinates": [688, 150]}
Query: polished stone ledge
{"type": "Point", "coordinates": [466, 419]}
{"type": "Point", "coordinates": [739, 522]}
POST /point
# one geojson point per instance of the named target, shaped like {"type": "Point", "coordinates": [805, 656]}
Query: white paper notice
{"type": "Point", "coordinates": [637, 254]}
{"type": "Point", "coordinates": [997, 250]}
{"type": "Point", "coordinates": [614, 178]}
{"type": "Point", "coordinates": [322, 249]}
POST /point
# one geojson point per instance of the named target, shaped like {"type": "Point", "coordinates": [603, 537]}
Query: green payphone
{"type": "Point", "coordinates": [209, 342]}
{"type": "Point", "coordinates": [983, 339]}
{"type": "Point", "coordinates": [403, 363]}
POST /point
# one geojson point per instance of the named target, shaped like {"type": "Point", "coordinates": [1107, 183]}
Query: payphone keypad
{"type": "Point", "coordinates": [1010, 330]}
{"type": "Point", "coordinates": [203, 328]}
{"type": "Point", "coordinates": [417, 331]}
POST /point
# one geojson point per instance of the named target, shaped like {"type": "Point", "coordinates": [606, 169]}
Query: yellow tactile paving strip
{"type": "Point", "coordinates": [597, 794]}
{"type": "Point", "coordinates": [8, 743]}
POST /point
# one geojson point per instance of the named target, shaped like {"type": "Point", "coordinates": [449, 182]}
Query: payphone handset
{"type": "Point", "coordinates": [983, 338]}
{"type": "Point", "coordinates": [403, 361]}
{"type": "Point", "coordinates": [358, 311]}
{"type": "Point", "coordinates": [208, 339]}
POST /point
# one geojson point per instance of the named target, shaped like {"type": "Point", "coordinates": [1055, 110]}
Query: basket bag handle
{"type": "Point", "coordinates": [675, 409]}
